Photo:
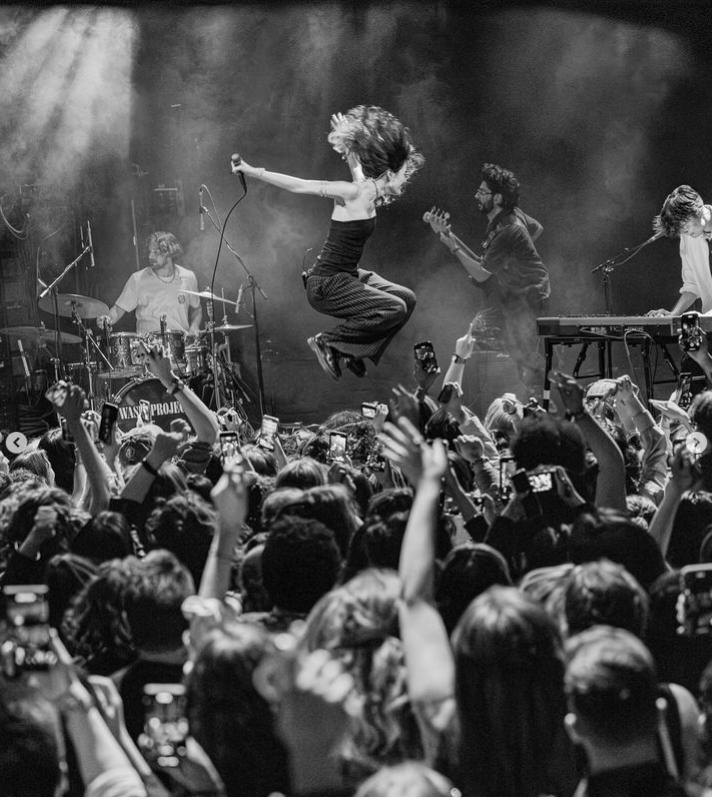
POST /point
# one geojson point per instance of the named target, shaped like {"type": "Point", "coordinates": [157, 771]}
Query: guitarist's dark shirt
{"type": "Point", "coordinates": [518, 272]}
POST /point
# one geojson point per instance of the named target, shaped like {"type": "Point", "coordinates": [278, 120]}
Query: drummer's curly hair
{"type": "Point", "coordinates": [166, 243]}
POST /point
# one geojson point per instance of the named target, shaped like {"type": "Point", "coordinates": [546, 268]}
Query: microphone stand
{"type": "Point", "coordinates": [607, 267]}
{"type": "Point", "coordinates": [253, 286]}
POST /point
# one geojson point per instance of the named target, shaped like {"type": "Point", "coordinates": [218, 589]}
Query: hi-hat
{"type": "Point", "coordinates": [38, 336]}
{"type": "Point", "coordinates": [69, 303]}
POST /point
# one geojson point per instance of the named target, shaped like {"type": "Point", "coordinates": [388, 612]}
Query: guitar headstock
{"type": "Point", "coordinates": [438, 220]}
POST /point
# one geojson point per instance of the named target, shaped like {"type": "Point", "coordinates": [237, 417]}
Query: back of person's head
{"type": "Point", "coordinates": [28, 500]}
{"type": "Point", "coordinates": [443, 425]}
{"type": "Point", "coordinates": [300, 563]}
{"type": "Point", "coordinates": [407, 779]}
{"type": "Point", "coordinates": [263, 462]}
{"type": "Point", "coordinates": [107, 536]}
{"type": "Point", "coordinates": [302, 473]}
{"type": "Point", "coordinates": [95, 628]}
{"type": "Point", "coordinates": [336, 508]}
{"type": "Point", "coordinates": [680, 206]}
{"type": "Point", "coordinates": [679, 657]}
{"type": "Point", "coordinates": [278, 500]}
{"type": "Point", "coordinates": [700, 413]}
{"type": "Point", "coordinates": [611, 686]}
{"type": "Point", "coordinates": [469, 569]}
{"type": "Point", "coordinates": [386, 502]}
{"type": "Point", "coordinates": [363, 610]}
{"type": "Point", "coordinates": [185, 526]}
{"type": "Point", "coordinates": [36, 461]}
{"type": "Point", "coordinates": [509, 694]}
{"type": "Point", "coordinates": [61, 457]}
{"type": "Point", "coordinates": [641, 509]}
{"type": "Point", "coordinates": [546, 586]}
{"type": "Point", "coordinates": [153, 599]}
{"type": "Point", "coordinates": [376, 544]}
{"type": "Point", "coordinates": [253, 596]}
{"type": "Point", "coordinates": [358, 623]}
{"type": "Point", "coordinates": [29, 746]}
{"type": "Point", "coordinates": [230, 719]}
{"type": "Point", "coordinates": [603, 592]}
{"type": "Point", "coordinates": [66, 576]}
{"type": "Point", "coordinates": [598, 533]}
{"type": "Point", "coordinates": [201, 485]}
{"type": "Point", "coordinates": [693, 520]}
{"type": "Point", "coordinates": [549, 441]}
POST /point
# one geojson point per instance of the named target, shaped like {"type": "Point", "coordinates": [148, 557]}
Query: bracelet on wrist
{"type": "Point", "coordinates": [457, 359]}
{"type": "Point", "coordinates": [455, 250]}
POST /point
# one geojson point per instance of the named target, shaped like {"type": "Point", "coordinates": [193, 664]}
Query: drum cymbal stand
{"type": "Point", "coordinates": [52, 288]}
{"type": "Point", "coordinates": [88, 342]}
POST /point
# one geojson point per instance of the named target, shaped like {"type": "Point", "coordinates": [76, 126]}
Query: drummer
{"type": "Point", "coordinates": [159, 290]}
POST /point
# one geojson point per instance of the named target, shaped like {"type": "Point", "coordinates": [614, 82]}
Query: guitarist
{"type": "Point", "coordinates": [514, 278]}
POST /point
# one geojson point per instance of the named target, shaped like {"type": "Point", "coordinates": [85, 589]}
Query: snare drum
{"type": "Point", "coordinates": [173, 343]}
{"type": "Point", "coordinates": [196, 359]}
{"type": "Point", "coordinates": [122, 355]}
{"type": "Point", "coordinates": [163, 407]}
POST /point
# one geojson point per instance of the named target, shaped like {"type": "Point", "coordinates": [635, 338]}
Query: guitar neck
{"type": "Point", "coordinates": [463, 247]}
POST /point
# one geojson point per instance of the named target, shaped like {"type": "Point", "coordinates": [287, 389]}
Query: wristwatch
{"type": "Point", "coordinates": [176, 386]}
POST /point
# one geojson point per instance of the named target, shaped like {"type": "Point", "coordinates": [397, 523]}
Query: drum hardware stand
{"type": "Point", "coordinates": [52, 288]}
{"type": "Point", "coordinates": [87, 342]}
{"type": "Point", "coordinates": [253, 285]}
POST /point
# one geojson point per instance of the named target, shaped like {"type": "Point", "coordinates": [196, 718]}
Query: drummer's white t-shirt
{"type": "Point", "coordinates": [151, 298]}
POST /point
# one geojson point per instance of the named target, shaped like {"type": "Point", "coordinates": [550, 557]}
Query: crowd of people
{"type": "Point", "coordinates": [505, 605]}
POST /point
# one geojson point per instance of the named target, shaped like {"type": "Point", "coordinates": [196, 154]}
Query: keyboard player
{"type": "Point", "coordinates": [684, 215]}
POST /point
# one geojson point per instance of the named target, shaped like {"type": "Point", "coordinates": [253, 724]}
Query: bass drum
{"type": "Point", "coordinates": [146, 398]}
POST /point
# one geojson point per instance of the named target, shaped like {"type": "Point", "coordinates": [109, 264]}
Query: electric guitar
{"type": "Point", "coordinates": [439, 223]}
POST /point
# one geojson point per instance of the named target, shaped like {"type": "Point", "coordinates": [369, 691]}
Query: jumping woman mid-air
{"type": "Point", "coordinates": [381, 157]}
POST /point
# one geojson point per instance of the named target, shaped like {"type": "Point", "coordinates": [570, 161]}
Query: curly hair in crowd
{"type": "Point", "coordinates": [95, 628]}
{"type": "Point", "coordinates": [502, 182]}
{"type": "Point", "coordinates": [302, 473]}
{"type": "Point", "coordinates": [358, 624]}
{"type": "Point", "coordinates": [379, 141]}
{"type": "Point", "coordinates": [680, 206]}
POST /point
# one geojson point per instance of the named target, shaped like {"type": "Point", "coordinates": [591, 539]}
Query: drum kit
{"type": "Point", "coordinates": [113, 367]}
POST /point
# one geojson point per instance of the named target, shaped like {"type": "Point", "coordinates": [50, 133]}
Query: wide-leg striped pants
{"type": "Point", "coordinates": [373, 311]}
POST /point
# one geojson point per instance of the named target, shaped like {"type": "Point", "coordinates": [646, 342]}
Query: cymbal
{"type": "Point", "coordinates": [84, 306]}
{"type": "Point", "coordinates": [233, 327]}
{"type": "Point", "coordinates": [209, 296]}
{"type": "Point", "coordinates": [36, 336]}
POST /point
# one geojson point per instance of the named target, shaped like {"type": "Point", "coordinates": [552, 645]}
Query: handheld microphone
{"type": "Point", "coordinates": [200, 207]}
{"type": "Point", "coordinates": [653, 238]}
{"type": "Point", "coordinates": [236, 160]}
{"type": "Point", "coordinates": [90, 242]}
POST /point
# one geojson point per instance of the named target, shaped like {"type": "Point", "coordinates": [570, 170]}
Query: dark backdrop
{"type": "Point", "coordinates": [600, 109]}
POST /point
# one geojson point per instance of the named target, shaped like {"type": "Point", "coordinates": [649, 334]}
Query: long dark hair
{"type": "Point", "coordinates": [230, 719]}
{"type": "Point", "coordinates": [510, 696]}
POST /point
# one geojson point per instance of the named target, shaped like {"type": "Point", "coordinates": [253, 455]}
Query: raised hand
{"type": "Point", "coordinates": [403, 446]}
{"type": "Point", "coordinates": [571, 392]}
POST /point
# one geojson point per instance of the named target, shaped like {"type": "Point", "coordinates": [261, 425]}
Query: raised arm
{"type": "Point", "coordinates": [610, 486]}
{"type": "Point", "coordinates": [199, 416]}
{"type": "Point", "coordinates": [428, 656]}
{"type": "Point", "coordinates": [345, 190]}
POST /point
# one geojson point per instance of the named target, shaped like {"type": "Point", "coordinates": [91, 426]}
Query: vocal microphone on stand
{"type": "Point", "coordinates": [200, 207]}
{"type": "Point", "coordinates": [236, 160]}
{"type": "Point", "coordinates": [90, 242]}
{"type": "Point", "coordinates": [239, 299]}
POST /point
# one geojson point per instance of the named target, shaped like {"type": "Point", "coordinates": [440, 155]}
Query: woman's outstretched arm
{"type": "Point", "coordinates": [345, 190]}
